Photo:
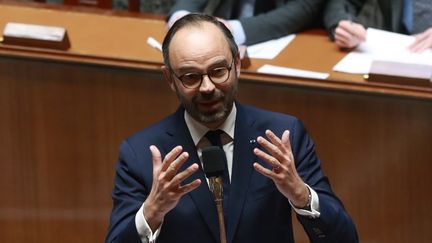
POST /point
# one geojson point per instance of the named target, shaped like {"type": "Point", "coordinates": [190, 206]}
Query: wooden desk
{"type": "Point", "coordinates": [64, 114]}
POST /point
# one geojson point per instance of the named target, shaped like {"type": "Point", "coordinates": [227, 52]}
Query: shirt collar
{"type": "Point", "coordinates": [197, 130]}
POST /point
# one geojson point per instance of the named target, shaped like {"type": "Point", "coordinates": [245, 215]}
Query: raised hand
{"type": "Point", "coordinates": [284, 173]}
{"type": "Point", "coordinates": [167, 188]}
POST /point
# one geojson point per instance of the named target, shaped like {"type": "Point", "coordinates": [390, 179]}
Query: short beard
{"type": "Point", "coordinates": [217, 117]}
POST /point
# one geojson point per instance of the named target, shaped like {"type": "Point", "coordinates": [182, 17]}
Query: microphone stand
{"type": "Point", "coordinates": [217, 189]}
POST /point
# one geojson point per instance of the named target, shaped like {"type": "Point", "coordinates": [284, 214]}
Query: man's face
{"type": "Point", "coordinates": [200, 50]}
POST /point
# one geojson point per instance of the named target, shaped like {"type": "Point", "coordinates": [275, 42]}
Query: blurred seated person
{"type": "Point", "coordinates": [253, 21]}
{"type": "Point", "coordinates": [160, 7]}
{"type": "Point", "coordinates": [347, 20]}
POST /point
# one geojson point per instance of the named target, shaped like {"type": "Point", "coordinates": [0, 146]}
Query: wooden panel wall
{"type": "Point", "coordinates": [60, 126]}
{"type": "Point", "coordinates": [375, 149]}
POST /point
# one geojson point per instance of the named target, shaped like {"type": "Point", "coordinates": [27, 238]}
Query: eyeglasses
{"type": "Point", "coordinates": [216, 75]}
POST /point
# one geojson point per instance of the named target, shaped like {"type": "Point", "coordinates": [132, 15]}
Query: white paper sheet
{"type": "Point", "coordinates": [269, 49]}
{"type": "Point", "coordinates": [354, 62]}
{"type": "Point", "coordinates": [381, 45]}
{"type": "Point", "coordinates": [271, 69]}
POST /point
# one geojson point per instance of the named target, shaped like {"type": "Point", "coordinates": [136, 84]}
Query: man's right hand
{"type": "Point", "coordinates": [423, 41]}
{"type": "Point", "coordinates": [348, 34]}
{"type": "Point", "coordinates": [167, 188]}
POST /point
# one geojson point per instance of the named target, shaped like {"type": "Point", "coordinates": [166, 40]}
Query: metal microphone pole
{"type": "Point", "coordinates": [217, 189]}
{"type": "Point", "coordinates": [214, 160]}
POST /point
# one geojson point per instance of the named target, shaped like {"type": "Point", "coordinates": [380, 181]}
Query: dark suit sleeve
{"type": "Point", "coordinates": [128, 195]}
{"type": "Point", "coordinates": [334, 224]}
{"type": "Point", "coordinates": [291, 17]}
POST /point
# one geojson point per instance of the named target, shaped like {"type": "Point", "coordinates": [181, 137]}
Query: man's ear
{"type": "Point", "coordinates": [238, 64]}
{"type": "Point", "coordinates": [168, 77]}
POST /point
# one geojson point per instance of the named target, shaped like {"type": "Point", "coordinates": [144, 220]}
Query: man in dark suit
{"type": "Point", "coordinates": [347, 20]}
{"type": "Point", "coordinates": [253, 21]}
{"type": "Point", "coordinates": [160, 188]}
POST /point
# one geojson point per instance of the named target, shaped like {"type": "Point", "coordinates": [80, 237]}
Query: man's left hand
{"type": "Point", "coordinates": [284, 173]}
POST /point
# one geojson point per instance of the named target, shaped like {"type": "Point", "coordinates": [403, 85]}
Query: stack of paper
{"type": "Point", "coordinates": [271, 69]}
{"type": "Point", "coordinates": [383, 46]}
{"type": "Point", "coordinates": [269, 49]}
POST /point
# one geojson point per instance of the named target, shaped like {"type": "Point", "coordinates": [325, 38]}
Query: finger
{"type": "Point", "coordinates": [341, 44]}
{"type": "Point", "coordinates": [347, 41]}
{"type": "Point", "coordinates": [342, 35]}
{"type": "Point", "coordinates": [275, 146]}
{"type": "Point", "coordinates": [272, 161]}
{"type": "Point", "coordinates": [190, 187]}
{"type": "Point", "coordinates": [341, 41]}
{"type": "Point", "coordinates": [180, 177]}
{"type": "Point", "coordinates": [176, 164]}
{"type": "Point", "coordinates": [351, 29]}
{"type": "Point", "coordinates": [422, 42]}
{"type": "Point", "coordinates": [345, 25]}
{"type": "Point", "coordinates": [281, 148]}
{"type": "Point", "coordinates": [170, 157]}
{"type": "Point", "coordinates": [274, 139]}
{"type": "Point", "coordinates": [418, 47]}
{"type": "Point", "coordinates": [418, 39]}
{"type": "Point", "coordinates": [285, 140]}
{"type": "Point", "coordinates": [357, 31]}
{"type": "Point", "coordinates": [421, 36]}
{"type": "Point", "coordinates": [264, 171]}
{"type": "Point", "coordinates": [156, 156]}
{"type": "Point", "coordinates": [349, 35]}
{"type": "Point", "coordinates": [361, 32]}
{"type": "Point", "coordinates": [271, 148]}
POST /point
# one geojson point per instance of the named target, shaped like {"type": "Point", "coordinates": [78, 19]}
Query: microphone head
{"type": "Point", "coordinates": [213, 158]}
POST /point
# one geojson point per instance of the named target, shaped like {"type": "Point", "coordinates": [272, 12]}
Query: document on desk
{"type": "Point", "coordinates": [269, 49]}
{"type": "Point", "coordinates": [383, 46]}
{"type": "Point", "coordinates": [271, 69]}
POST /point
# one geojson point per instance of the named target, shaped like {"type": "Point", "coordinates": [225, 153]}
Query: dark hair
{"type": "Point", "coordinates": [196, 19]}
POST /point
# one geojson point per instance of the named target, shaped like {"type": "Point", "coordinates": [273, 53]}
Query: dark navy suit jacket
{"type": "Point", "coordinates": [257, 211]}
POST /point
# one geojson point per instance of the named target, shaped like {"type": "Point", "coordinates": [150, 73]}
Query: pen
{"type": "Point", "coordinates": [154, 43]}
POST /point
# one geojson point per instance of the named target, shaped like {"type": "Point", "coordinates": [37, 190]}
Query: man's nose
{"type": "Point", "coordinates": [207, 85]}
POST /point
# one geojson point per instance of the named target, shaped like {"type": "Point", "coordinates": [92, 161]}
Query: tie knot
{"type": "Point", "coordinates": [214, 137]}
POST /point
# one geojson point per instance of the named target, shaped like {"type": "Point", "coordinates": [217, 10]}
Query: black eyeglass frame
{"type": "Point", "coordinates": [198, 84]}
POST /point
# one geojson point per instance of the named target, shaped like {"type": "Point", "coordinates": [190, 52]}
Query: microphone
{"type": "Point", "coordinates": [213, 158]}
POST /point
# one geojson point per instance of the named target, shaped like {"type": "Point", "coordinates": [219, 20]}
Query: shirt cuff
{"type": "Point", "coordinates": [143, 229]}
{"type": "Point", "coordinates": [175, 16]}
{"type": "Point", "coordinates": [238, 31]}
{"type": "Point", "coordinates": [314, 206]}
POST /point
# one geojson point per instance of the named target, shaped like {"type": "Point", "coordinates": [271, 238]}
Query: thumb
{"type": "Point", "coordinates": [156, 158]}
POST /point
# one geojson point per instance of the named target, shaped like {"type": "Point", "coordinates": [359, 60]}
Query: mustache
{"type": "Point", "coordinates": [202, 97]}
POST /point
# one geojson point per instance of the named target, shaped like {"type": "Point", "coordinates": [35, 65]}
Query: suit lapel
{"type": "Point", "coordinates": [244, 143]}
{"type": "Point", "coordinates": [243, 158]}
{"type": "Point", "coordinates": [201, 196]}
